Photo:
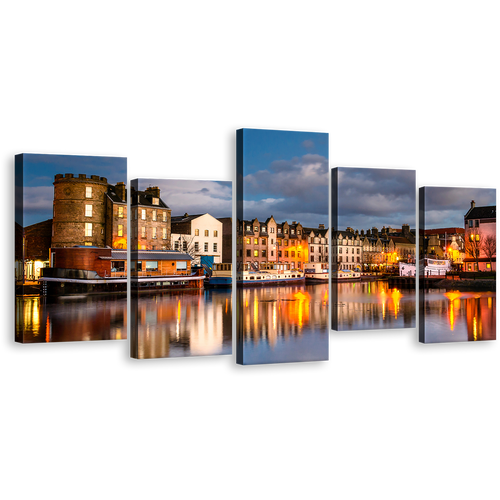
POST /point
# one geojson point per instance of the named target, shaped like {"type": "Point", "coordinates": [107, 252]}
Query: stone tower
{"type": "Point", "coordinates": [79, 216]}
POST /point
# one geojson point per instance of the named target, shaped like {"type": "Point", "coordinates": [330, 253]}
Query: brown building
{"type": "Point", "coordinates": [318, 240]}
{"type": "Point", "coordinates": [151, 220]}
{"type": "Point", "coordinates": [79, 213]}
{"type": "Point", "coordinates": [88, 211]}
{"type": "Point", "coordinates": [227, 239]}
{"type": "Point", "coordinates": [268, 245]}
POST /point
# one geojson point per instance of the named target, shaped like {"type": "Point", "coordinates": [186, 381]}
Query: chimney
{"type": "Point", "coordinates": [406, 229]}
{"type": "Point", "coordinates": [153, 191]}
{"type": "Point", "coordinates": [375, 231]}
{"type": "Point", "coordinates": [349, 230]}
{"type": "Point", "coordinates": [362, 232]}
{"type": "Point", "coordinates": [120, 190]}
{"type": "Point", "coordinates": [321, 226]}
{"type": "Point", "coordinates": [294, 222]}
{"type": "Point", "coordinates": [186, 215]}
{"type": "Point", "coordinates": [472, 204]}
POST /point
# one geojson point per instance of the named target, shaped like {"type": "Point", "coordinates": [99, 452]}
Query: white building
{"type": "Point", "coordinates": [197, 235]}
{"type": "Point", "coordinates": [347, 250]}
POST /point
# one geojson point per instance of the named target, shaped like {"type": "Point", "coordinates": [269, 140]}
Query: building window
{"type": "Point", "coordinates": [248, 241]}
{"type": "Point", "coordinates": [176, 246]}
{"type": "Point", "coordinates": [155, 201]}
{"type": "Point", "coordinates": [286, 231]}
{"type": "Point", "coordinates": [120, 212]}
{"type": "Point", "coordinates": [154, 233]}
{"type": "Point", "coordinates": [151, 265]}
{"type": "Point", "coordinates": [286, 253]}
{"type": "Point", "coordinates": [248, 228]}
{"type": "Point", "coordinates": [184, 246]}
{"type": "Point", "coordinates": [143, 214]}
{"type": "Point", "coordinates": [215, 247]}
{"type": "Point", "coordinates": [120, 229]}
{"type": "Point", "coordinates": [164, 216]}
{"type": "Point", "coordinates": [196, 246]}
{"type": "Point", "coordinates": [164, 230]}
{"type": "Point", "coordinates": [272, 230]}
{"type": "Point", "coordinates": [292, 231]}
{"type": "Point", "coordinates": [197, 232]}
{"type": "Point", "coordinates": [154, 214]}
{"type": "Point", "coordinates": [279, 253]}
{"type": "Point", "coordinates": [255, 253]}
{"type": "Point", "coordinates": [272, 253]}
{"type": "Point", "coordinates": [263, 241]}
{"type": "Point", "coordinates": [143, 232]}
{"type": "Point", "coordinates": [206, 232]}
{"type": "Point", "coordinates": [256, 241]}
{"type": "Point", "coordinates": [88, 229]}
{"type": "Point", "coordinates": [205, 247]}
{"type": "Point", "coordinates": [477, 223]}
{"type": "Point", "coordinates": [216, 233]}
{"type": "Point", "coordinates": [312, 249]}
{"type": "Point", "coordinates": [248, 253]}
{"type": "Point", "coordinates": [88, 210]}
{"type": "Point", "coordinates": [88, 191]}
{"type": "Point", "coordinates": [263, 253]}
{"type": "Point", "coordinates": [293, 254]}
{"type": "Point", "coordinates": [286, 243]}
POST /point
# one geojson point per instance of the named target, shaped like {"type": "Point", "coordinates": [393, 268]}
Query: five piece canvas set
{"type": "Point", "coordinates": [292, 236]}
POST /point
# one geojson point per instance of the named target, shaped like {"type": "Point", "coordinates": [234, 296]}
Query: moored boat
{"type": "Point", "coordinates": [346, 275]}
{"type": "Point", "coordinates": [268, 278]}
{"type": "Point", "coordinates": [221, 276]}
{"type": "Point", "coordinates": [316, 273]}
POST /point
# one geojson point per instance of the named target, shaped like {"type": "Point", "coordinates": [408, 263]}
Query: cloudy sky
{"type": "Point", "coordinates": [446, 207]}
{"type": "Point", "coordinates": [285, 174]}
{"type": "Point", "coordinates": [38, 175]}
{"type": "Point", "coordinates": [376, 197]}
{"type": "Point", "coordinates": [193, 197]}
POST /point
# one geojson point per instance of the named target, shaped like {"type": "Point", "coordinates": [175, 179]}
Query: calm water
{"type": "Point", "coordinates": [184, 323]}
{"type": "Point", "coordinates": [372, 305]}
{"type": "Point", "coordinates": [71, 318]}
{"type": "Point", "coordinates": [283, 324]}
{"type": "Point", "coordinates": [454, 316]}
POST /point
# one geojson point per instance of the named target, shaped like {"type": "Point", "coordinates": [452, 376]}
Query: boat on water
{"type": "Point", "coordinates": [267, 278]}
{"type": "Point", "coordinates": [316, 273]}
{"type": "Point", "coordinates": [221, 276]}
{"type": "Point", "coordinates": [346, 275]}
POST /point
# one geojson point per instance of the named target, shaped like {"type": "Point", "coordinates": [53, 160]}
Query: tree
{"type": "Point", "coordinates": [490, 248]}
{"type": "Point", "coordinates": [185, 243]}
{"type": "Point", "coordinates": [473, 245]}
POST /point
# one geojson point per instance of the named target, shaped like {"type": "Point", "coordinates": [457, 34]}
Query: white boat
{"type": "Point", "coordinates": [316, 272]}
{"type": "Point", "coordinates": [346, 274]}
{"type": "Point", "coordinates": [265, 278]}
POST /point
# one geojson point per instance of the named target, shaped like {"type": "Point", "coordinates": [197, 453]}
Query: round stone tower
{"type": "Point", "coordinates": [79, 216]}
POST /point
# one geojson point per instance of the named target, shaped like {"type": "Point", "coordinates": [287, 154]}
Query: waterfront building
{"type": "Point", "coordinates": [445, 243]}
{"type": "Point", "coordinates": [347, 250]}
{"type": "Point", "coordinates": [227, 239]}
{"type": "Point", "coordinates": [318, 243]}
{"type": "Point", "coordinates": [480, 238]}
{"type": "Point", "coordinates": [269, 245]}
{"type": "Point", "coordinates": [198, 235]}
{"type": "Point", "coordinates": [151, 220]}
{"type": "Point", "coordinates": [90, 212]}
{"type": "Point", "coordinates": [389, 247]}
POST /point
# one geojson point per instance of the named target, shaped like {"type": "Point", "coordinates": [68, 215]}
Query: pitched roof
{"type": "Point", "coordinates": [482, 213]}
{"type": "Point", "coordinates": [185, 218]}
{"type": "Point", "coordinates": [146, 199]}
{"type": "Point", "coordinates": [114, 197]}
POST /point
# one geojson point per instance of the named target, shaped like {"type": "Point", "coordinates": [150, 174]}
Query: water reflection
{"type": "Point", "coordinates": [283, 324]}
{"type": "Point", "coordinates": [183, 323]}
{"type": "Point", "coordinates": [454, 316]}
{"type": "Point", "coordinates": [372, 305]}
{"type": "Point", "coordinates": [70, 318]}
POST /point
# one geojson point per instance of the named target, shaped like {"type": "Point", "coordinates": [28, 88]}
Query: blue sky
{"type": "Point", "coordinates": [285, 174]}
{"type": "Point", "coordinates": [39, 171]}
